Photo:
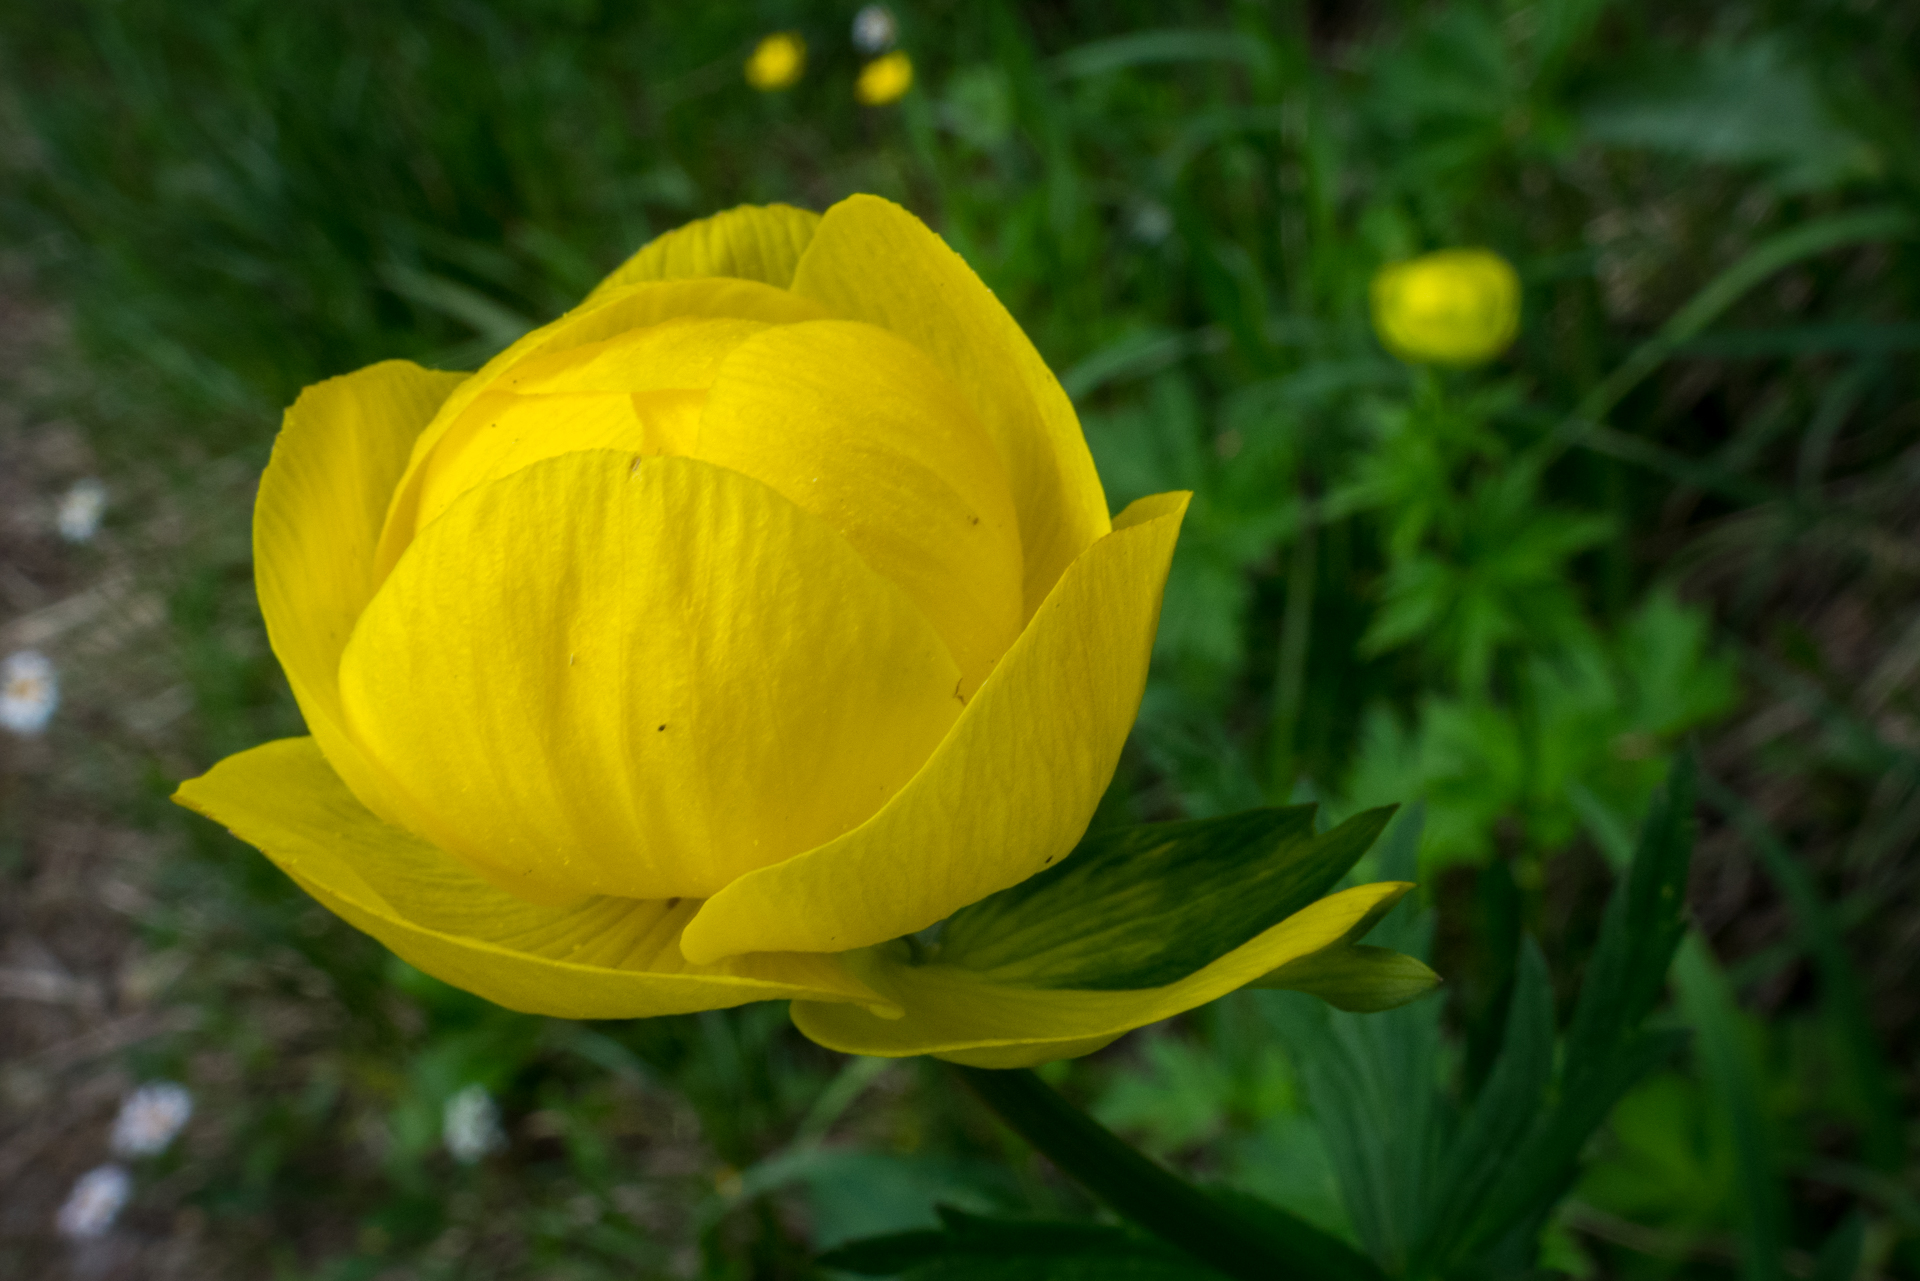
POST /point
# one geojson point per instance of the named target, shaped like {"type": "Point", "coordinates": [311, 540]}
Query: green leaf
{"type": "Point", "coordinates": [1356, 978]}
{"type": "Point", "coordinates": [971, 1246]}
{"type": "Point", "coordinates": [1840, 1257]}
{"type": "Point", "coordinates": [1728, 1062]}
{"type": "Point", "coordinates": [1143, 48]}
{"type": "Point", "coordinates": [1219, 1231]}
{"type": "Point", "coordinates": [1538, 1172]}
{"type": "Point", "coordinates": [1606, 1053]}
{"type": "Point", "coordinates": [1501, 1116]}
{"type": "Point", "coordinates": [1146, 906]}
{"type": "Point", "coordinates": [1643, 923]}
{"type": "Point", "coordinates": [1734, 104]}
{"type": "Point", "coordinates": [1371, 1079]}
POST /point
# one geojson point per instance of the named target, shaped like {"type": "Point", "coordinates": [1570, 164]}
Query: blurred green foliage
{"type": "Point", "coordinates": [1394, 582]}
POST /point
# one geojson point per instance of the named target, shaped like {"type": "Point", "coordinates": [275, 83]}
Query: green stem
{"type": "Point", "coordinates": [1277, 1245]}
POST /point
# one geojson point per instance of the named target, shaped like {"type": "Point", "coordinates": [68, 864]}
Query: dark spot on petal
{"type": "Point", "coordinates": [662, 727]}
{"type": "Point", "coordinates": [673, 902]}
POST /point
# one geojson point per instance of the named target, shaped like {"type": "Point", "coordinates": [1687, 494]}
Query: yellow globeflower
{"type": "Point", "coordinates": [777, 61]}
{"type": "Point", "coordinates": [756, 613]}
{"type": "Point", "coordinates": [884, 79]}
{"type": "Point", "coordinates": [1454, 307]}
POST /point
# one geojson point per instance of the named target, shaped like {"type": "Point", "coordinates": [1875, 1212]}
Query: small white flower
{"type": "Point", "coordinates": [470, 1125]}
{"type": "Point", "coordinates": [29, 691]}
{"type": "Point", "coordinates": [94, 1203]}
{"type": "Point", "coordinates": [81, 509]}
{"type": "Point", "coordinates": [874, 30]}
{"type": "Point", "coordinates": [150, 1117]}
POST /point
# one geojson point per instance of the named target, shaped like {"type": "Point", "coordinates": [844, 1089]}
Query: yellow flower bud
{"type": "Point", "coordinates": [777, 61]}
{"type": "Point", "coordinates": [1453, 307]}
{"type": "Point", "coordinates": [761, 610]}
{"type": "Point", "coordinates": [884, 79]}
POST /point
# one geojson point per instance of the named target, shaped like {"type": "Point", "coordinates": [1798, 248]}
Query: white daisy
{"type": "Point", "coordinates": [81, 509]}
{"type": "Point", "coordinates": [94, 1203]}
{"type": "Point", "coordinates": [470, 1126]}
{"type": "Point", "coordinates": [874, 30]}
{"type": "Point", "coordinates": [29, 691]}
{"type": "Point", "coordinates": [150, 1117]}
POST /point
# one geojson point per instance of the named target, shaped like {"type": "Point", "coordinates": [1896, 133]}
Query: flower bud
{"type": "Point", "coordinates": [885, 79]}
{"type": "Point", "coordinates": [777, 62]}
{"type": "Point", "coordinates": [1454, 307]}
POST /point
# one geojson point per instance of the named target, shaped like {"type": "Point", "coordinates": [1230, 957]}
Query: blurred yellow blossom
{"type": "Point", "coordinates": [777, 61]}
{"type": "Point", "coordinates": [1453, 307]}
{"type": "Point", "coordinates": [884, 79]}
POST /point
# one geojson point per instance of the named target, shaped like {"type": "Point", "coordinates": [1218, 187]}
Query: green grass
{"type": "Point", "coordinates": [1678, 508]}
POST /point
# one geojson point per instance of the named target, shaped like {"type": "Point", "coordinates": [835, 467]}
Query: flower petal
{"type": "Point", "coordinates": [858, 427]}
{"type": "Point", "coordinates": [640, 677]}
{"type": "Point", "coordinates": [1010, 790]}
{"type": "Point", "coordinates": [871, 260]}
{"type": "Point", "coordinates": [589, 345]}
{"type": "Point", "coordinates": [955, 1014]}
{"type": "Point", "coordinates": [603, 959]}
{"type": "Point", "coordinates": [752, 242]}
{"type": "Point", "coordinates": [501, 433]}
{"type": "Point", "coordinates": [344, 444]}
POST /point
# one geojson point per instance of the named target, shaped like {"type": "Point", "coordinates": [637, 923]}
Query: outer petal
{"type": "Point", "coordinates": [1010, 790]}
{"type": "Point", "coordinates": [954, 1014]}
{"type": "Point", "coordinates": [856, 425]}
{"type": "Point", "coordinates": [343, 447]}
{"type": "Point", "coordinates": [605, 958]}
{"type": "Point", "coordinates": [642, 678]}
{"type": "Point", "coordinates": [752, 242]}
{"type": "Point", "coordinates": [872, 260]}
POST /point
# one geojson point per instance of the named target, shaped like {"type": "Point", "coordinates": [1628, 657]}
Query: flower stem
{"type": "Point", "coordinates": [1268, 1245]}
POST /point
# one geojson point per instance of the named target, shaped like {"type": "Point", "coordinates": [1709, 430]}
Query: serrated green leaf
{"type": "Point", "coordinates": [1143, 907]}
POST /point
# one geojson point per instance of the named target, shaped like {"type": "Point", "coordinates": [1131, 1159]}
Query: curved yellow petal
{"type": "Point", "coordinates": [871, 260]}
{"type": "Point", "coordinates": [501, 433]}
{"type": "Point", "coordinates": [603, 959]}
{"type": "Point", "coordinates": [954, 1014]}
{"type": "Point", "coordinates": [638, 677]}
{"type": "Point", "coordinates": [343, 446]}
{"type": "Point", "coordinates": [858, 427]}
{"type": "Point", "coordinates": [679, 354]}
{"type": "Point", "coordinates": [752, 242]}
{"type": "Point", "coordinates": [1010, 790]}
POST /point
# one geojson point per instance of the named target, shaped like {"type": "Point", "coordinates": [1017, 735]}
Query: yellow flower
{"type": "Point", "coordinates": [1454, 307]}
{"type": "Point", "coordinates": [884, 79]}
{"type": "Point", "coordinates": [777, 61]}
{"type": "Point", "coordinates": [761, 610]}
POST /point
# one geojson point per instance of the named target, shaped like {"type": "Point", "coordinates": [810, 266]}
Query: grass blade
{"type": "Point", "coordinates": [1735, 1083]}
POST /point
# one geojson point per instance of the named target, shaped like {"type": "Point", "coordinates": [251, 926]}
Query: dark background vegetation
{"type": "Point", "coordinates": [1683, 507]}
